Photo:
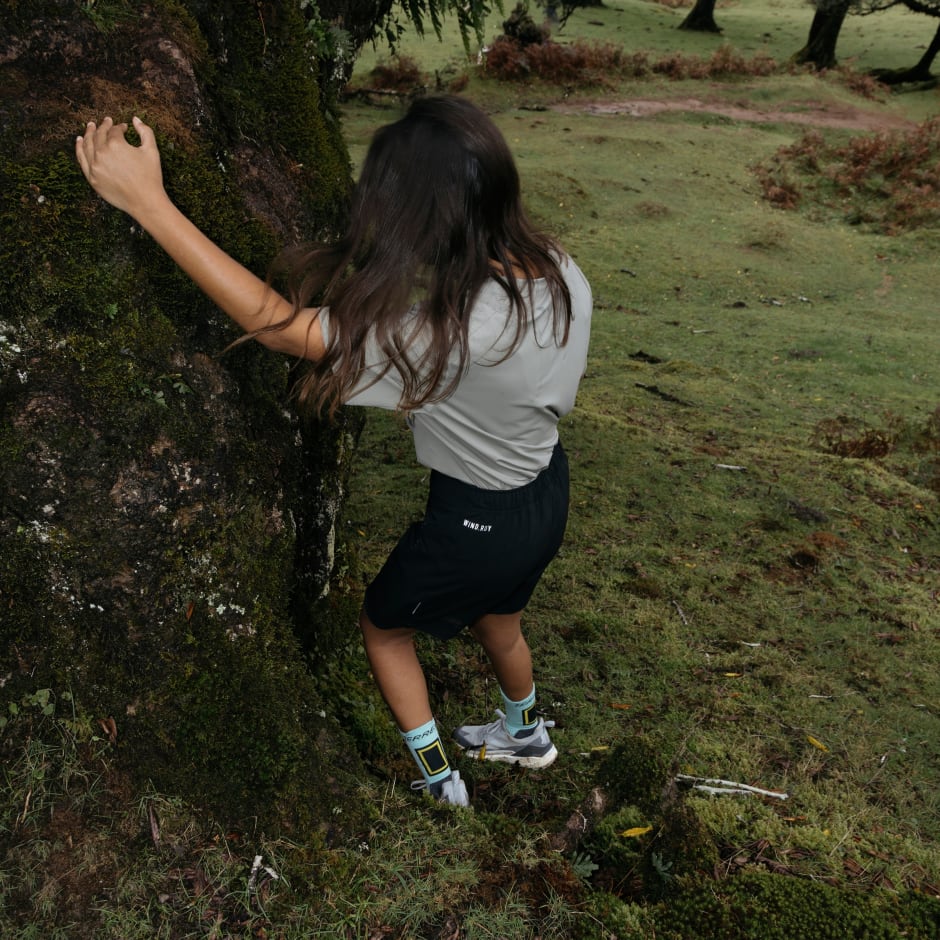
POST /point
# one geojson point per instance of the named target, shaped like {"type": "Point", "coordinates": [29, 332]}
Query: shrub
{"type": "Point", "coordinates": [511, 58]}
{"type": "Point", "coordinates": [584, 63]}
{"type": "Point", "coordinates": [889, 181]}
{"type": "Point", "coordinates": [846, 437]}
{"type": "Point", "coordinates": [723, 63]}
{"type": "Point", "coordinates": [400, 73]}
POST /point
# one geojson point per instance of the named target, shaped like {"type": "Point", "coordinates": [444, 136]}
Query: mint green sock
{"type": "Point", "coordinates": [520, 716]}
{"type": "Point", "coordinates": [428, 752]}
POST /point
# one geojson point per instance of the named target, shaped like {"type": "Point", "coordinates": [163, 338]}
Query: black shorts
{"type": "Point", "coordinates": [476, 552]}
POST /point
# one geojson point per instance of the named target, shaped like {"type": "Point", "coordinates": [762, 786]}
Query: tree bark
{"type": "Point", "coordinates": [156, 496]}
{"type": "Point", "coordinates": [820, 48]}
{"type": "Point", "coordinates": [701, 18]}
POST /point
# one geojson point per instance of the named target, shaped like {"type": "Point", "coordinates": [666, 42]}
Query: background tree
{"type": "Point", "coordinates": [920, 72]}
{"type": "Point", "coordinates": [820, 48]}
{"type": "Point", "coordinates": [701, 18]}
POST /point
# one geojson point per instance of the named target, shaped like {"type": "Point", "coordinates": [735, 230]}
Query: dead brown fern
{"type": "Point", "coordinates": [399, 74]}
{"type": "Point", "coordinates": [889, 181]}
{"type": "Point", "coordinates": [596, 63]}
{"type": "Point", "coordinates": [849, 437]}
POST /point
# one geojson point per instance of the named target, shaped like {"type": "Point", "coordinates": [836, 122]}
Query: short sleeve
{"type": "Point", "coordinates": [373, 389]}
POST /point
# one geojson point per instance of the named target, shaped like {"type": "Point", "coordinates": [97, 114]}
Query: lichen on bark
{"type": "Point", "coordinates": [159, 498]}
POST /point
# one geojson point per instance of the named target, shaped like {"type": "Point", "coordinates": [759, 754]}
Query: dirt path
{"type": "Point", "coordinates": [807, 113]}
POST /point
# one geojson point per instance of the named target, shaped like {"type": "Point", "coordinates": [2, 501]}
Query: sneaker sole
{"type": "Point", "coordinates": [531, 760]}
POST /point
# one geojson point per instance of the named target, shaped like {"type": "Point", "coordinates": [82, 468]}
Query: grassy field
{"type": "Point", "coordinates": [749, 587]}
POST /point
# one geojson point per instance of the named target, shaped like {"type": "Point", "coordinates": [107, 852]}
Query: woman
{"type": "Point", "coordinates": [441, 301]}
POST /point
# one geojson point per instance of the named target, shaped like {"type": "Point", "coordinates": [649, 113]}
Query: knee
{"type": "Point", "coordinates": [375, 638]}
{"type": "Point", "coordinates": [500, 635]}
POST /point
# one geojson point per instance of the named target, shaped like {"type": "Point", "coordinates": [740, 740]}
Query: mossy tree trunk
{"type": "Point", "coordinates": [820, 48]}
{"type": "Point", "coordinates": [167, 519]}
{"type": "Point", "coordinates": [701, 18]}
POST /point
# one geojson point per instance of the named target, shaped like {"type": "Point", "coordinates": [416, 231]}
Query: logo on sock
{"type": "Point", "coordinates": [432, 758]}
{"type": "Point", "coordinates": [421, 734]}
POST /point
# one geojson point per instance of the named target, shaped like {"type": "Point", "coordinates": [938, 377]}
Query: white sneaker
{"type": "Point", "coordinates": [450, 790]}
{"type": "Point", "coordinates": [528, 748]}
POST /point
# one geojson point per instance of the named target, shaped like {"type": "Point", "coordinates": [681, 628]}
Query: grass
{"type": "Point", "coordinates": [734, 598]}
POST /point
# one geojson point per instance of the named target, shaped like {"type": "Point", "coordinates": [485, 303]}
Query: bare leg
{"type": "Point", "coordinates": [397, 672]}
{"type": "Point", "coordinates": [501, 637]}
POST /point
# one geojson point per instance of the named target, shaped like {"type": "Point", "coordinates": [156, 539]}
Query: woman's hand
{"type": "Point", "coordinates": [128, 177]}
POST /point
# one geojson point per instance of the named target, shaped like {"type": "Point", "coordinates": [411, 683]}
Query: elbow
{"type": "Point", "coordinates": [289, 344]}
{"type": "Point", "coordinates": [272, 341]}
{"type": "Point", "coordinates": [299, 335]}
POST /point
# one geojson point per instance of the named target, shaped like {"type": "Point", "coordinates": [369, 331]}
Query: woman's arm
{"type": "Point", "coordinates": [131, 179]}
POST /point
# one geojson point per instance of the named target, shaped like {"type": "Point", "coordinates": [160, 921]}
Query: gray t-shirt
{"type": "Point", "coordinates": [498, 429]}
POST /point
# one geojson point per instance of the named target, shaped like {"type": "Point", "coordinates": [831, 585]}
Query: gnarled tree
{"type": "Point", "coordinates": [920, 71]}
{"type": "Point", "coordinates": [820, 48]}
{"type": "Point", "coordinates": [167, 520]}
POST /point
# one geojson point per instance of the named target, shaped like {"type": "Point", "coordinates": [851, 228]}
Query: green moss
{"type": "Point", "coordinates": [266, 83]}
{"type": "Point", "coordinates": [237, 737]}
{"type": "Point", "coordinates": [919, 914]}
{"type": "Point", "coordinates": [677, 849]}
{"type": "Point", "coordinates": [759, 906]}
{"type": "Point", "coordinates": [635, 773]}
{"type": "Point", "coordinates": [50, 234]}
{"type": "Point", "coordinates": [607, 916]}
{"type": "Point", "coordinates": [28, 553]}
{"type": "Point", "coordinates": [683, 850]}
{"type": "Point", "coordinates": [620, 858]}
{"type": "Point", "coordinates": [194, 182]}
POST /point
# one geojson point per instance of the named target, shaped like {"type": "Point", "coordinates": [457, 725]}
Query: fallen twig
{"type": "Point", "coordinates": [154, 825]}
{"type": "Point", "coordinates": [257, 866]}
{"type": "Point", "coordinates": [715, 786]}
{"type": "Point", "coordinates": [665, 396]}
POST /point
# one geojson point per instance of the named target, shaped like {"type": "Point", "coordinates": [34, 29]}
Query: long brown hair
{"type": "Point", "coordinates": [436, 212]}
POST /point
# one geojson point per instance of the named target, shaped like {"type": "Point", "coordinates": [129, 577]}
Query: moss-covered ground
{"type": "Point", "coordinates": [737, 599]}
